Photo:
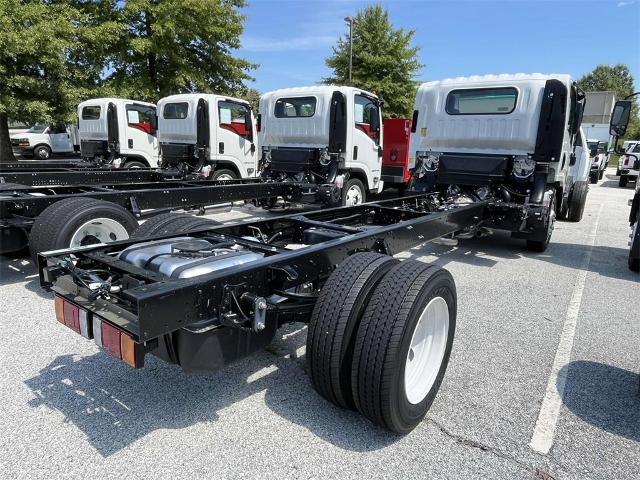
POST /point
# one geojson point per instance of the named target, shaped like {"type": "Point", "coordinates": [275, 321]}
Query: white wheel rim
{"type": "Point", "coordinates": [98, 230]}
{"type": "Point", "coordinates": [353, 196]}
{"type": "Point", "coordinates": [426, 351]}
{"type": "Point", "coordinates": [224, 176]}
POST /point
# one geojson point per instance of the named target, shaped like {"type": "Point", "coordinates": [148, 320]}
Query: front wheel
{"type": "Point", "coordinates": [353, 193]}
{"type": "Point", "coordinates": [224, 174]}
{"type": "Point", "coordinates": [540, 245]}
{"type": "Point", "coordinates": [593, 177]}
{"type": "Point", "coordinates": [134, 165]}
{"type": "Point", "coordinates": [622, 182]}
{"type": "Point", "coordinates": [601, 174]}
{"type": "Point", "coordinates": [43, 152]}
{"type": "Point", "coordinates": [634, 253]}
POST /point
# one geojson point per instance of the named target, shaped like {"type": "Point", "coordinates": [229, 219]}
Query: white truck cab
{"type": "Point", "coordinates": [43, 140]}
{"type": "Point", "coordinates": [119, 132]}
{"type": "Point", "coordinates": [330, 136]}
{"type": "Point", "coordinates": [509, 137]}
{"type": "Point", "coordinates": [211, 134]}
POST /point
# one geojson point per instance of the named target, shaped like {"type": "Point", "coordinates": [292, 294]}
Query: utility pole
{"type": "Point", "coordinates": [350, 21]}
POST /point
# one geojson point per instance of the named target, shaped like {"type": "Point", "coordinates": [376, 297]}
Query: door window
{"type": "Point", "coordinates": [364, 110]}
{"type": "Point", "coordinates": [231, 116]}
{"type": "Point", "coordinates": [141, 117]}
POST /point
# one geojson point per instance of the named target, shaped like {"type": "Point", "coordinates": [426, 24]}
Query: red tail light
{"type": "Point", "coordinates": [107, 336]}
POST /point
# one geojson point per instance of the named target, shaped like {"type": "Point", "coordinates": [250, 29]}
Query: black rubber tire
{"type": "Point", "coordinates": [384, 339]}
{"type": "Point", "coordinates": [577, 201]}
{"type": "Point", "coordinates": [42, 152]}
{"type": "Point", "coordinates": [351, 182]}
{"type": "Point", "coordinates": [334, 323]}
{"type": "Point", "coordinates": [170, 223]}
{"type": "Point", "coordinates": [55, 226]}
{"type": "Point", "coordinates": [622, 182]}
{"type": "Point", "coordinates": [540, 246]}
{"type": "Point", "coordinates": [593, 177]}
{"type": "Point", "coordinates": [634, 252]}
{"type": "Point", "coordinates": [617, 172]}
{"type": "Point", "coordinates": [223, 171]}
{"type": "Point", "coordinates": [601, 174]}
{"type": "Point", "coordinates": [134, 164]}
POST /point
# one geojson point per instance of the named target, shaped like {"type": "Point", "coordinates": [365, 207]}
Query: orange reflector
{"type": "Point", "coordinates": [59, 303]}
{"type": "Point", "coordinates": [131, 351]}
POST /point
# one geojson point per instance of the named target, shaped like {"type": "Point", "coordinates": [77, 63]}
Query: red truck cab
{"type": "Point", "coordinates": [395, 157]}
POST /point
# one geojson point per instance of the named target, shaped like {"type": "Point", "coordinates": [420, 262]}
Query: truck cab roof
{"type": "Point", "coordinates": [484, 114]}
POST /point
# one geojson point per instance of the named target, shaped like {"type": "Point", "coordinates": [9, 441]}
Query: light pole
{"type": "Point", "coordinates": [350, 21]}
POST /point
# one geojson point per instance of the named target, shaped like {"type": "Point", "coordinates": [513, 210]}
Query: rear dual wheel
{"type": "Point", "coordinates": [391, 326]}
{"type": "Point", "coordinates": [78, 222]}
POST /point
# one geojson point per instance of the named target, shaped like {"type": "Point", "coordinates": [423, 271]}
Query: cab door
{"type": "Point", "coordinates": [367, 137]}
{"type": "Point", "coordinates": [60, 139]}
{"type": "Point", "coordinates": [141, 132]}
{"type": "Point", "coordinates": [235, 136]}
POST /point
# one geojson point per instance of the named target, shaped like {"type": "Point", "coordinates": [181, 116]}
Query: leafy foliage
{"type": "Point", "coordinates": [48, 54]}
{"type": "Point", "coordinates": [384, 62]}
{"type": "Point", "coordinates": [178, 46]}
{"type": "Point", "coordinates": [619, 79]}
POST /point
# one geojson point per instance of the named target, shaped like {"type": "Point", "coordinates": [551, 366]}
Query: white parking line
{"type": "Point", "coordinates": [545, 429]}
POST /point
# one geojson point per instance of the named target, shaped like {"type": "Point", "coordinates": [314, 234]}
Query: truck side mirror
{"type": "Point", "coordinates": [374, 123]}
{"type": "Point", "coordinates": [577, 117]}
{"type": "Point", "coordinates": [248, 125]}
{"type": "Point", "coordinates": [153, 119]}
{"type": "Point", "coordinates": [620, 118]}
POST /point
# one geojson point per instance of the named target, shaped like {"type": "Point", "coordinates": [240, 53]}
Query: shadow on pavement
{"type": "Point", "coordinates": [114, 405]}
{"type": "Point", "coordinates": [17, 268]}
{"type": "Point", "coordinates": [604, 396]}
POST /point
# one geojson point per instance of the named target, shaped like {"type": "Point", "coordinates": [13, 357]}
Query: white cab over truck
{"type": "Point", "coordinates": [512, 138]}
{"type": "Point", "coordinates": [43, 140]}
{"type": "Point", "coordinates": [211, 134]}
{"type": "Point", "coordinates": [119, 132]}
{"type": "Point", "coordinates": [330, 136]}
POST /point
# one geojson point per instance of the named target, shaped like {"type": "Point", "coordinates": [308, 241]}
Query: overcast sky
{"type": "Point", "coordinates": [291, 38]}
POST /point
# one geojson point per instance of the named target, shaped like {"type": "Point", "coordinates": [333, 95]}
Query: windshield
{"type": "Point", "coordinates": [592, 145]}
{"type": "Point", "coordinates": [38, 128]}
{"type": "Point", "coordinates": [634, 148]}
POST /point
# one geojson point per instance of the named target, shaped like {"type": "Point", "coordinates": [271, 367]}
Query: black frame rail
{"type": "Point", "coordinates": [21, 205]}
{"type": "Point", "coordinates": [153, 305]}
{"type": "Point", "coordinates": [52, 176]}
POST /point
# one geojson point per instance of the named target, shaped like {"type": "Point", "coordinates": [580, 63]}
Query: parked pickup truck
{"type": "Point", "coordinates": [628, 165]}
{"type": "Point", "coordinates": [599, 159]}
{"type": "Point", "coordinates": [43, 140]}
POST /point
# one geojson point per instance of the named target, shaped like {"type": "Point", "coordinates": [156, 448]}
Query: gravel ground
{"type": "Point", "coordinates": [70, 410]}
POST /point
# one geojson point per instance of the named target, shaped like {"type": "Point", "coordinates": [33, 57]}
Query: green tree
{"type": "Point", "coordinates": [617, 78]}
{"type": "Point", "coordinates": [178, 46]}
{"type": "Point", "coordinates": [252, 96]}
{"type": "Point", "coordinates": [47, 60]}
{"type": "Point", "coordinates": [384, 62]}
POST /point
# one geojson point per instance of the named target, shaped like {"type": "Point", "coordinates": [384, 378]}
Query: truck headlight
{"type": "Point", "coordinates": [523, 166]}
{"type": "Point", "coordinates": [428, 161]}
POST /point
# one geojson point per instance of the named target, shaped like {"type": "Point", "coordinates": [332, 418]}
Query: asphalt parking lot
{"type": "Point", "coordinates": [528, 326]}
